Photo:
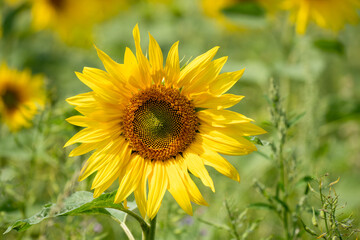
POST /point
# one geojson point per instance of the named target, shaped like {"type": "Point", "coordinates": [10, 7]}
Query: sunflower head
{"type": "Point", "coordinates": [160, 123]}
{"type": "Point", "coordinates": [215, 9]}
{"type": "Point", "coordinates": [73, 20]}
{"type": "Point", "coordinates": [21, 95]}
{"type": "Point", "coordinates": [329, 14]}
{"type": "Point", "coordinates": [150, 125]}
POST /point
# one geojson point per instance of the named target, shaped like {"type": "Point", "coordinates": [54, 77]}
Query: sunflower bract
{"type": "Point", "coordinates": [150, 125]}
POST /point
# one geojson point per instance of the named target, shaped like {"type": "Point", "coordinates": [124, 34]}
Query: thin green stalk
{"type": "Point", "coordinates": [232, 221]}
{"type": "Point", "coordinates": [127, 231]}
{"type": "Point", "coordinates": [283, 180]}
{"type": "Point", "coordinates": [322, 202]}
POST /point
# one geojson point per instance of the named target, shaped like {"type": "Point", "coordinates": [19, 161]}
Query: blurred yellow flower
{"type": "Point", "coordinates": [331, 14]}
{"type": "Point", "coordinates": [215, 9]}
{"type": "Point", "coordinates": [73, 20]}
{"type": "Point", "coordinates": [21, 95]}
{"type": "Point", "coordinates": [152, 124]}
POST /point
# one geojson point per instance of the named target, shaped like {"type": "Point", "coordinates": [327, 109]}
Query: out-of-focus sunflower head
{"type": "Point", "coordinates": [217, 9]}
{"type": "Point", "coordinates": [21, 95]}
{"type": "Point", "coordinates": [329, 14]}
{"type": "Point", "coordinates": [73, 20]}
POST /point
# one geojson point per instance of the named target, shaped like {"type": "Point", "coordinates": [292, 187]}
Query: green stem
{"type": "Point", "coordinates": [127, 231]}
{"type": "Point", "coordinates": [323, 203]}
{"type": "Point", "coordinates": [150, 233]}
{"type": "Point", "coordinates": [144, 226]}
{"type": "Point", "coordinates": [232, 221]}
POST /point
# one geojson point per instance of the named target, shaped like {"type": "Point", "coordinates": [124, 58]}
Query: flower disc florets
{"type": "Point", "coordinates": [11, 99]}
{"type": "Point", "coordinates": [160, 123]}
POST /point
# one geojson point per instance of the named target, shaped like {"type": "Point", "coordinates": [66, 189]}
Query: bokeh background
{"type": "Point", "coordinates": [318, 74]}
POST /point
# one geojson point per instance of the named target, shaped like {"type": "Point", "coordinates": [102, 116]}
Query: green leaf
{"type": "Point", "coordinates": [245, 8]}
{"type": "Point", "coordinates": [255, 140]}
{"type": "Point", "coordinates": [10, 16]}
{"type": "Point", "coordinates": [306, 179]}
{"type": "Point", "coordinates": [282, 203]}
{"type": "Point", "coordinates": [291, 122]}
{"type": "Point", "coordinates": [262, 205]}
{"type": "Point", "coordinates": [330, 45]}
{"type": "Point", "coordinates": [79, 203]}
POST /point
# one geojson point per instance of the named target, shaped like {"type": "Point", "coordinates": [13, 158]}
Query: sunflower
{"type": "Point", "coordinates": [214, 9]}
{"type": "Point", "coordinates": [330, 14]}
{"type": "Point", "coordinates": [21, 95]}
{"type": "Point", "coordinates": [151, 125]}
{"type": "Point", "coordinates": [73, 20]}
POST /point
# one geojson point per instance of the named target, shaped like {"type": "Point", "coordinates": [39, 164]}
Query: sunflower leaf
{"type": "Point", "coordinates": [256, 140]}
{"type": "Point", "coordinates": [330, 45]}
{"type": "Point", "coordinates": [295, 119]}
{"type": "Point", "coordinates": [262, 205]}
{"type": "Point", "coordinates": [245, 8]}
{"type": "Point", "coordinates": [10, 17]}
{"type": "Point", "coordinates": [79, 203]}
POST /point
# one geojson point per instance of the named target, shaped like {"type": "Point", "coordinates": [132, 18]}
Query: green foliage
{"type": "Point", "coordinates": [245, 8]}
{"type": "Point", "coordinates": [79, 203]}
{"type": "Point", "coordinates": [10, 16]}
{"type": "Point", "coordinates": [330, 45]}
{"type": "Point", "coordinates": [239, 225]}
{"type": "Point", "coordinates": [328, 220]}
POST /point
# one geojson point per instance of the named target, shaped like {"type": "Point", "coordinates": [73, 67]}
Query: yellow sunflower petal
{"type": "Point", "coordinates": [220, 118]}
{"type": "Point", "coordinates": [172, 68]}
{"type": "Point", "coordinates": [88, 135]}
{"type": "Point", "coordinates": [112, 67]}
{"type": "Point", "coordinates": [177, 188]}
{"type": "Point", "coordinates": [225, 81]}
{"type": "Point", "coordinates": [100, 189]}
{"type": "Point", "coordinates": [208, 100]}
{"type": "Point", "coordinates": [131, 178]}
{"type": "Point", "coordinates": [115, 160]}
{"type": "Point", "coordinates": [196, 166]}
{"type": "Point", "coordinates": [83, 148]}
{"type": "Point", "coordinates": [220, 142]}
{"type": "Point", "coordinates": [108, 81]}
{"type": "Point", "coordinates": [243, 129]}
{"type": "Point", "coordinates": [204, 77]}
{"type": "Point", "coordinates": [193, 191]}
{"type": "Point", "coordinates": [99, 87]}
{"type": "Point", "coordinates": [140, 191]}
{"type": "Point", "coordinates": [213, 159]}
{"type": "Point", "coordinates": [80, 121]}
{"type": "Point", "coordinates": [187, 74]}
{"type": "Point", "coordinates": [158, 183]}
{"type": "Point", "coordinates": [96, 161]}
{"type": "Point", "coordinates": [80, 99]}
{"type": "Point", "coordinates": [156, 60]}
{"type": "Point", "coordinates": [302, 18]}
{"type": "Point", "coordinates": [107, 155]}
{"type": "Point", "coordinates": [144, 64]}
{"type": "Point", "coordinates": [131, 70]}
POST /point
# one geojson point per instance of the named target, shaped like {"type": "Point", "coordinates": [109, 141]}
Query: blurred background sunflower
{"type": "Point", "coordinates": [21, 95]}
{"type": "Point", "coordinates": [331, 14]}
